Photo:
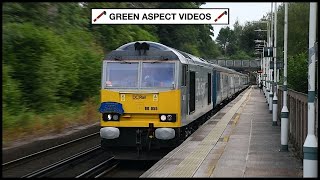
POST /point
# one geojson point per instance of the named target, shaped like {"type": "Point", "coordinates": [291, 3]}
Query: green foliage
{"type": "Point", "coordinates": [298, 28]}
{"type": "Point", "coordinates": [25, 12]}
{"type": "Point", "coordinates": [298, 72]}
{"type": "Point", "coordinates": [64, 16]}
{"type": "Point", "coordinates": [57, 16]}
{"type": "Point", "coordinates": [113, 36]}
{"type": "Point", "coordinates": [51, 68]}
{"type": "Point", "coordinates": [238, 43]}
{"type": "Point", "coordinates": [224, 38]}
{"type": "Point", "coordinates": [193, 39]}
{"type": "Point", "coordinates": [240, 55]}
{"type": "Point", "coordinates": [11, 96]}
{"type": "Point", "coordinates": [249, 35]}
{"type": "Point", "coordinates": [86, 66]}
{"type": "Point", "coordinates": [298, 44]}
{"type": "Point", "coordinates": [17, 120]}
{"type": "Point", "coordinates": [34, 64]}
{"type": "Point", "coordinates": [178, 5]}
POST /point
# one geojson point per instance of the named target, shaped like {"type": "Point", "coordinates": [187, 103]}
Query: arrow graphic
{"type": "Point", "coordinates": [103, 13]}
{"type": "Point", "coordinates": [224, 13]}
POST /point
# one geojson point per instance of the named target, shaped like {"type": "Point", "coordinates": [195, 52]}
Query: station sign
{"type": "Point", "coordinates": [268, 52]}
{"type": "Point", "coordinates": [213, 16]}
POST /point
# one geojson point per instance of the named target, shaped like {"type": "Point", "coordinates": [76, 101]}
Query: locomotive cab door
{"type": "Point", "coordinates": [214, 87]}
{"type": "Point", "coordinates": [192, 91]}
{"type": "Point", "coordinates": [184, 91]}
{"type": "Point", "coordinates": [209, 89]}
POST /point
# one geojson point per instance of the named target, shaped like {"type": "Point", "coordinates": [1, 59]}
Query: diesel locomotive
{"type": "Point", "coordinates": [154, 96]}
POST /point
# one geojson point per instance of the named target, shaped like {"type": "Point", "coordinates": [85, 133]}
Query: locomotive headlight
{"type": "Point", "coordinates": [109, 117]}
{"type": "Point", "coordinates": [168, 117]}
{"type": "Point", "coordinates": [115, 117]}
{"type": "Point", "coordinates": [163, 117]}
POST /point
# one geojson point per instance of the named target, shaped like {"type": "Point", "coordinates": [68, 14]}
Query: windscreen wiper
{"type": "Point", "coordinates": [125, 62]}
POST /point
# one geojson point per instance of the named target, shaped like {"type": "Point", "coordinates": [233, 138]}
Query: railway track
{"type": "Point", "coordinates": [29, 163]}
{"type": "Point", "coordinates": [101, 169]}
{"type": "Point", "coordinates": [65, 166]}
{"type": "Point", "coordinates": [129, 168]}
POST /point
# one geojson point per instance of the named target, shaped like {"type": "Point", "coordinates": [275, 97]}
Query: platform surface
{"type": "Point", "coordinates": [238, 141]}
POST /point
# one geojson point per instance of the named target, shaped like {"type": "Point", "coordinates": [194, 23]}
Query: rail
{"type": "Point", "coordinates": [49, 150]}
{"type": "Point", "coordinates": [58, 165]}
{"type": "Point", "coordinates": [297, 104]}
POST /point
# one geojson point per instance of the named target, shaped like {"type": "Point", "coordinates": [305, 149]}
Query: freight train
{"type": "Point", "coordinates": [154, 96]}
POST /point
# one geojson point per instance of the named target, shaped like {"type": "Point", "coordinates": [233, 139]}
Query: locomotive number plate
{"type": "Point", "coordinates": [138, 96]}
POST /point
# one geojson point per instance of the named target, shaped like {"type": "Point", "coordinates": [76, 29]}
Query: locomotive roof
{"type": "Point", "coordinates": [146, 50]}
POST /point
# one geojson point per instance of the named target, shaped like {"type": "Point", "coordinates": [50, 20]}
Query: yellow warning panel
{"type": "Point", "coordinates": [155, 97]}
{"type": "Point", "coordinates": [123, 97]}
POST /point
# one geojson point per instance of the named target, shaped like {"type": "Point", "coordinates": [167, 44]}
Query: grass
{"type": "Point", "coordinates": [28, 125]}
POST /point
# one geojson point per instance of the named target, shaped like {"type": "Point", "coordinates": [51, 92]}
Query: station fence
{"type": "Point", "coordinates": [297, 104]}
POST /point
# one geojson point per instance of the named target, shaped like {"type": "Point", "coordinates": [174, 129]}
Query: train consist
{"type": "Point", "coordinates": [153, 97]}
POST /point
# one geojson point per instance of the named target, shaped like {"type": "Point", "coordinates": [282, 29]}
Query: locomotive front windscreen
{"type": "Point", "coordinates": [153, 75]}
{"type": "Point", "coordinates": [157, 75]}
{"type": "Point", "coordinates": [122, 75]}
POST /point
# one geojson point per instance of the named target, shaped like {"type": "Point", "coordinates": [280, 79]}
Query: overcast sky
{"type": "Point", "coordinates": [244, 11]}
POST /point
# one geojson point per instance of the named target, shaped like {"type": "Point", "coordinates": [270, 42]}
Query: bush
{"type": "Point", "coordinates": [298, 72]}
{"type": "Point", "coordinates": [50, 68]}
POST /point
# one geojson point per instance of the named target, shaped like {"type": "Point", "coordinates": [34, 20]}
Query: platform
{"type": "Point", "coordinates": [238, 141]}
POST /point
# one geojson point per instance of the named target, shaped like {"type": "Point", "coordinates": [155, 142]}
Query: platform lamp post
{"type": "Point", "coordinates": [259, 78]}
{"type": "Point", "coordinates": [284, 110]}
{"type": "Point", "coordinates": [267, 64]}
{"type": "Point", "coordinates": [259, 49]}
{"type": "Point", "coordinates": [270, 61]}
{"type": "Point", "coordinates": [275, 84]}
{"type": "Point", "coordinates": [259, 72]}
{"type": "Point", "coordinates": [310, 146]}
{"type": "Point", "coordinates": [269, 100]}
{"type": "Point", "coordinates": [263, 66]}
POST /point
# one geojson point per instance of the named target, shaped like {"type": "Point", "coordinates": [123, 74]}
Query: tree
{"type": "Point", "coordinates": [298, 44]}
{"type": "Point", "coordinates": [194, 39]}
{"type": "Point", "coordinates": [298, 28]}
{"type": "Point", "coordinates": [224, 37]}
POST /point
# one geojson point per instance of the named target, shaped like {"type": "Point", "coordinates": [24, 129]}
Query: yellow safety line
{"type": "Point", "coordinates": [235, 120]}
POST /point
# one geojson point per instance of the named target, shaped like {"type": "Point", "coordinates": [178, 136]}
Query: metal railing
{"type": "Point", "coordinates": [298, 117]}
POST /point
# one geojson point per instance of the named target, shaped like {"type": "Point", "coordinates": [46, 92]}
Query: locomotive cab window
{"type": "Point", "coordinates": [158, 75]}
{"type": "Point", "coordinates": [121, 75]}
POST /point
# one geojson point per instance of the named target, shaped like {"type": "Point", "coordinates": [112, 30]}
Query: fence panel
{"type": "Point", "coordinates": [297, 104]}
